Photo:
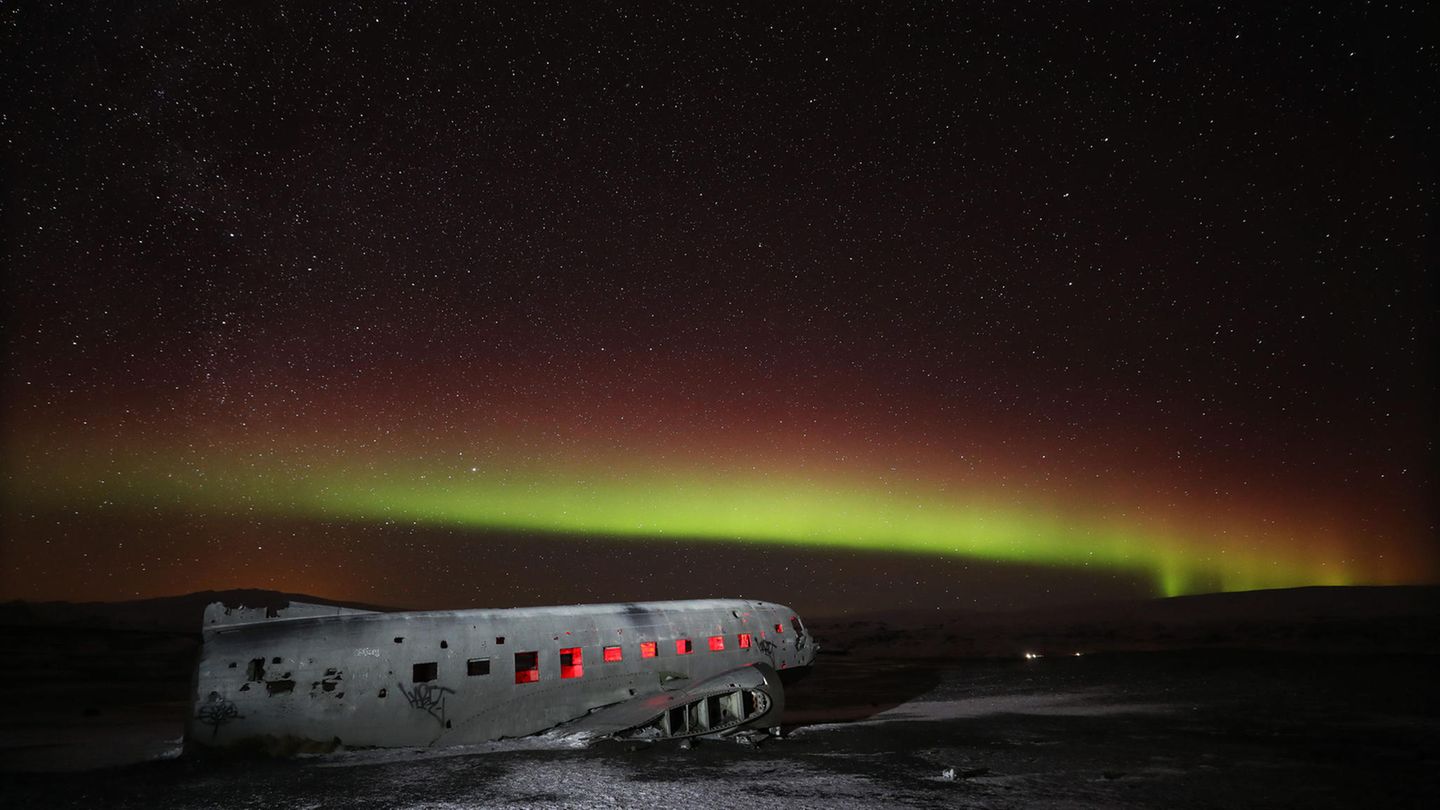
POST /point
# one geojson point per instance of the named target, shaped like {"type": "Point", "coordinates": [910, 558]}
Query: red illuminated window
{"type": "Point", "coordinates": [571, 663]}
{"type": "Point", "coordinates": [682, 646]}
{"type": "Point", "coordinates": [613, 654]}
{"type": "Point", "coordinates": [779, 628]}
{"type": "Point", "coordinates": [717, 643]}
{"type": "Point", "coordinates": [527, 667]}
{"type": "Point", "coordinates": [647, 649]}
{"type": "Point", "coordinates": [744, 641]}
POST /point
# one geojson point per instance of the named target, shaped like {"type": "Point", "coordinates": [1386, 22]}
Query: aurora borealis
{"type": "Point", "coordinates": [629, 491]}
{"type": "Point", "coordinates": [412, 309]}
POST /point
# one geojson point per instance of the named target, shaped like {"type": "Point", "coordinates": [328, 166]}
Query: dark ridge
{"type": "Point", "coordinates": [1365, 619]}
{"type": "Point", "coordinates": [182, 614]}
{"type": "Point", "coordinates": [1352, 601]}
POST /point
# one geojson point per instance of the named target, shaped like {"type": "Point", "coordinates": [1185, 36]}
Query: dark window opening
{"type": "Point", "coordinates": [444, 645]}
{"type": "Point", "coordinates": [717, 643]}
{"type": "Point", "coordinates": [744, 641]}
{"type": "Point", "coordinates": [613, 654]}
{"type": "Point", "coordinates": [275, 660]}
{"type": "Point", "coordinates": [572, 663]}
{"type": "Point", "coordinates": [527, 667]}
{"type": "Point", "coordinates": [232, 664]}
{"type": "Point", "coordinates": [477, 666]}
{"type": "Point", "coordinates": [647, 649]}
{"type": "Point", "coordinates": [399, 639]}
{"type": "Point", "coordinates": [279, 687]}
{"type": "Point", "coordinates": [424, 673]}
{"type": "Point", "coordinates": [499, 639]}
{"type": "Point", "coordinates": [256, 670]}
{"type": "Point", "coordinates": [677, 720]}
{"type": "Point", "coordinates": [682, 646]}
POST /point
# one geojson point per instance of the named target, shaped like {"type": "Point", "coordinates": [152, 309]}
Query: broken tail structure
{"type": "Point", "coordinates": [752, 699]}
{"type": "Point", "coordinates": [745, 699]}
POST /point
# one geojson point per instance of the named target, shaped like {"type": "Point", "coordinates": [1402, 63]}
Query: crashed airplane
{"type": "Point", "coordinates": [312, 677]}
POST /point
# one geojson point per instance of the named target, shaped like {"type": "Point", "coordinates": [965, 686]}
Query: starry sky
{"type": "Point", "coordinates": [850, 306]}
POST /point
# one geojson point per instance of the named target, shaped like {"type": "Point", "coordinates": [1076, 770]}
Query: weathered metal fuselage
{"type": "Point", "coordinates": [330, 676]}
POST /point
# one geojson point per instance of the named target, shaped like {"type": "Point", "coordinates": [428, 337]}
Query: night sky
{"type": "Point", "coordinates": [845, 306]}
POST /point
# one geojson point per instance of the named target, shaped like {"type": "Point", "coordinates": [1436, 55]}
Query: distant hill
{"type": "Point", "coordinates": [1347, 601]}
{"type": "Point", "coordinates": [1345, 618]}
{"type": "Point", "coordinates": [1356, 618]}
{"type": "Point", "coordinates": [173, 614]}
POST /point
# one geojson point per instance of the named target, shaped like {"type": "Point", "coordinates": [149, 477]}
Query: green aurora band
{"type": "Point", "coordinates": [748, 507]}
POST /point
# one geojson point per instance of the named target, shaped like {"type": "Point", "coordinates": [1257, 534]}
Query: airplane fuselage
{"type": "Point", "coordinates": [450, 677]}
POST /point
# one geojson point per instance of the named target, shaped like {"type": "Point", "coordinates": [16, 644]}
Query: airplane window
{"type": "Point", "coordinates": [423, 673]}
{"type": "Point", "coordinates": [572, 664]}
{"type": "Point", "coordinates": [744, 641]}
{"type": "Point", "coordinates": [477, 666]}
{"type": "Point", "coordinates": [613, 654]}
{"type": "Point", "coordinates": [682, 646]}
{"type": "Point", "coordinates": [717, 643]}
{"type": "Point", "coordinates": [647, 649]}
{"type": "Point", "coordinates": [527, 667]}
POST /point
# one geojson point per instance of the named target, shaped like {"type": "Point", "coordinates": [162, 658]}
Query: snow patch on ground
{"type": "Point", "coordinates": [601, 783]}
{"type": "Point", "coordinates": [172, 749]}
{"type": "Point", "coordinates": [1053, 705]}
{"type": "Point", "coordinates": [549, 741]}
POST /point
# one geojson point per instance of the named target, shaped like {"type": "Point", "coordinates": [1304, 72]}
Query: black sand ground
{"type": "Point", "coordinates": [1191, 729]}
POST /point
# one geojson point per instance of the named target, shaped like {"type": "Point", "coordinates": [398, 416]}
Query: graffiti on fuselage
{"type": "Point", "coordinates": [767, 648]}
{"type": "Point", "coordinates": [429, 698]}
{"type": "Point", "coordinates": [216, 712]}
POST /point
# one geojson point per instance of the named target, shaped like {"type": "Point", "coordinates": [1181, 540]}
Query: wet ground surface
{"type": "Point", "coordinates": [1136, 730]}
